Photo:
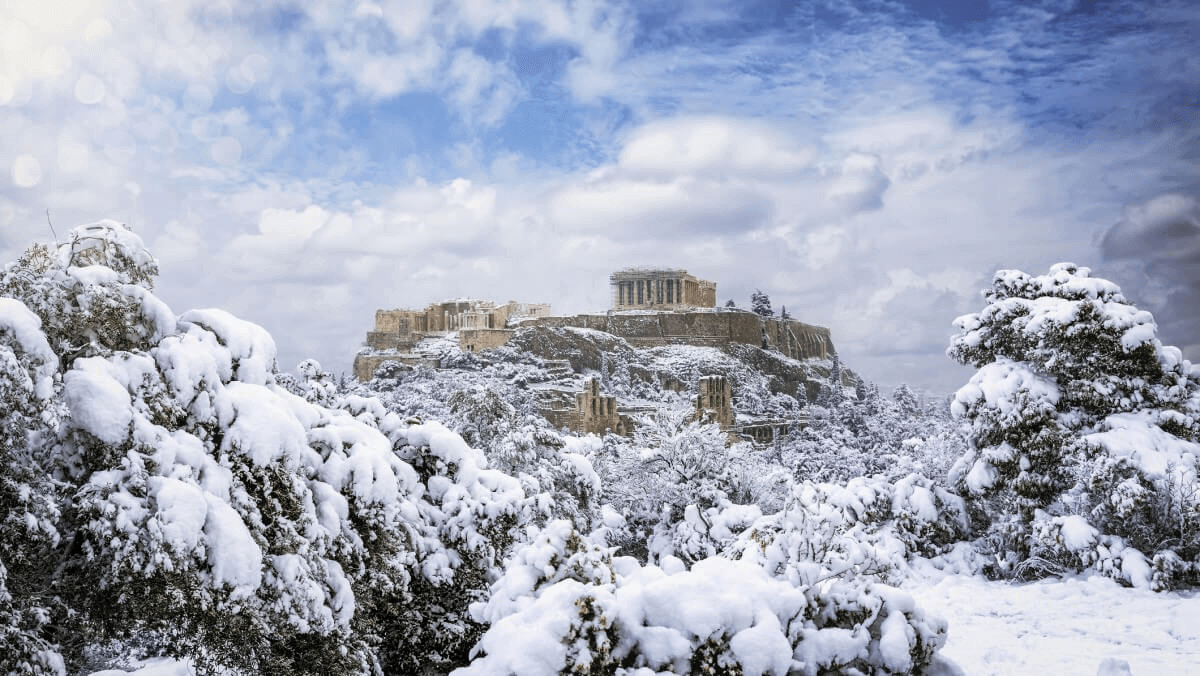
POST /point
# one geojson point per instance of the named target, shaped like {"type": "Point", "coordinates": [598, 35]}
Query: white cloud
{"type": "Point", "coordinates": [713, 147]}
{"type": "Point", "coordinates": [226, 150]}
{"type": "Point", "coordinates": [860, 183]}
{"type": "Point", "coordinates": [823, 246]}
{"type": "Point", "coordinates": [483, 90]}
{"type": "Point", "coordinates": [73, 153]}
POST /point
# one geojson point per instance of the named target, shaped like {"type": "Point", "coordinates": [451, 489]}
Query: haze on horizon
{"type": "Point", "coordinates": [867, 164]}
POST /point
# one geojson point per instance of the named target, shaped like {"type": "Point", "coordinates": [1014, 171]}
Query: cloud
{"type": "Point", "coordinates": [860, 183]}
{"type": "Point", "coordinates": [483, 90]}
{"type": "Point", "coordinates": [1155, 247]}
{"type": "Point", "coordinates": [712, 147]}
{"type": "Point", "coordinates": [1165, 228]}
{"type": "Point", "coordinates": [659, 211]}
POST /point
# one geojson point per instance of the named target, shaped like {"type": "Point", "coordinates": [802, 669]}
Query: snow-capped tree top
{"type": "Point", "coordinates": [1073, 327]}
{"type": "Point", "coordinates": [112, 245]}
{"type": "Point", "coordinates": [1065, 280]}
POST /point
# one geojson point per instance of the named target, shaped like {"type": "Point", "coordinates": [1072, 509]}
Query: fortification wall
{"type": "Point", "coordinates": [709, 329]}
{"type": "Point", "coordinates": [633, 326]}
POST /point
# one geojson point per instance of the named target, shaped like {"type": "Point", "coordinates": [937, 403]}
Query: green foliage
{"type": "Point", "coordinates": [1072, 386]}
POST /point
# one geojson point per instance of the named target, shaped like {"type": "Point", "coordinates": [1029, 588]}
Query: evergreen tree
{"type": "Point", "coordinates": [907, 400]}
{"type": "Point", "coordinates": [760, 304]}
{"type": "Point", "coordinates": [783, 313]}
{"type": "Point", "coordinates": [730, 303]}
{"type": "Point", "coordinates": [1072, 384]}
{"type": "Point", "coordinates": [836, 393]}
{"type": "Point", "coordinates": [801, 395]}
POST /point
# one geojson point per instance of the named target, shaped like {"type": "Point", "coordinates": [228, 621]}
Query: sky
{"type": "Point", "coordinates": [867, 164]}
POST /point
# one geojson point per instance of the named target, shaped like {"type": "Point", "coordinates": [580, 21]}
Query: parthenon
{"type": "Point", "coordinates": [660, 289]}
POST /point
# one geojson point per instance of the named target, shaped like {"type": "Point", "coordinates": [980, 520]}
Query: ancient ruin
{"type": "Point", "coordinates": [480, 325]}
{"type": "Point", "coordinates": [651, 307]}
{"type": "Point", "coordinates": [590, 412]}
{"type": "Point", "coordinates": [660, 289]}
{"type": "Point", "coordinates": [714, 401]}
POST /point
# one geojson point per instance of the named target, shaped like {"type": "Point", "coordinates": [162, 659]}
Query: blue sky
{"type": "Point", "coordinates": [867, 164]}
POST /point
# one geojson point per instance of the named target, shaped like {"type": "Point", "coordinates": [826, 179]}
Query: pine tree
{"type": "Point", "coordinates": [801, 395]}
{"type": "Point", "coordinates": [783, 313]}
{"type": "Point", "coordinates": [861, 391]}
{"type": "Point", "coordinates": [760, 304]}
{"type": "Point", "coordinates": [1071, 377]}
{"type": "Point", "coordinates": [836, 393]}
{"type": "Point", "coordinates": [729, 303]}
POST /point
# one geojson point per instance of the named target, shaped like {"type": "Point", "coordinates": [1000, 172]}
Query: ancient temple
{"type": "Point", "coordinates": [660, 289]}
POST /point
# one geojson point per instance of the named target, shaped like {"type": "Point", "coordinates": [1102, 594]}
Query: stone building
{"type": "Point", "coordinates": [591, 412]}
{"type": "Point", "coordinates": [480, 324]}
{"type": "Point", "coordinates": [401, 325]}
{"type": "Point", "coordinates": [651, 307]}
{"type": "Point", "coordinates": [714, 401]}
{"type": "Point", "coordinates": [660, 289]}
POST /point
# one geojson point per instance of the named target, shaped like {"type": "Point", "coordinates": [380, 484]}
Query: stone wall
{"type": "Point", "coordinates": [478, 340]}
{"type": "Point", "coordinates": [365, 364]}
{"type": "Point", "coordinates": [705, 328]}
{"type": "Point", "coordinates": [598, 412]}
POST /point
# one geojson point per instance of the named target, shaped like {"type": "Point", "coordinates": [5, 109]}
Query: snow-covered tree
{"type": "Point", "coordinates": [208, 511]}
{"type": "Point", "coordinates": [1077, 406]}
{"type": "Point", "coordinates": [28, 508]}
{"type": "Point", "coordinates": [906, 399]}
{"type": "Point", "coordinates": [760, 304]}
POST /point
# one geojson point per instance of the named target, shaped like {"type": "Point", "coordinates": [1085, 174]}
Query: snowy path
{"type": "Point", "coordinates": [1063, 627]}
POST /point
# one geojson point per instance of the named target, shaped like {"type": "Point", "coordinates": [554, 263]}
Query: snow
{"type": "Point", "coordinates": [160, 314]}
{"type": "Point", "coordinates": [188, 361]}
{"type": "Point", "coordinates": [182, 511]}
{"type": "Point", "coordinates": [1003, 385]}
{"type": "Point", "coordinates": [26, 328]}
{"type": "Point", "coordinates": [251, 348]}
{"type": "Point", "coordinates": [1135, 436]}
{"type": "Point", "coordinates": [99, 403]}
{"type": "Point", "coordinates": [1139, 334]}
{"type": "Point", "coordinates": [158, 666]}
{"type": "Point", "coordinates": [982, 476]}
{"type": "Point", "coordinates": [762, 648]}
{"type": "Point", "coordinates": [260, 426]}
{"type": "Point", "coordinates": [235, 558]}
{"type": "Point", "coordinates": [1077, 534]}
{"type": "Point", "coordinates": [1068, 626]}
{"type": "Point", "coordinates": [102, 234]}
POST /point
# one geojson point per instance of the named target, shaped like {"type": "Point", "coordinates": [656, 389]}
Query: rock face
{"type": "Point", "coordinates": [706, 328]}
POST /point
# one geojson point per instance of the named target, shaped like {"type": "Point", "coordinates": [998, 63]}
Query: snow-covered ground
{"type": "Point", "coordinates": [1064, 627]}
{"type": "Point", "coordinates": [1067, 627]}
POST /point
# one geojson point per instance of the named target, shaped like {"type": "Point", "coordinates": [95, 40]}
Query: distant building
{"type": "Point", "coordinates": [481, 325]}
{"type": "Point", "coordinates": [660, 289]}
